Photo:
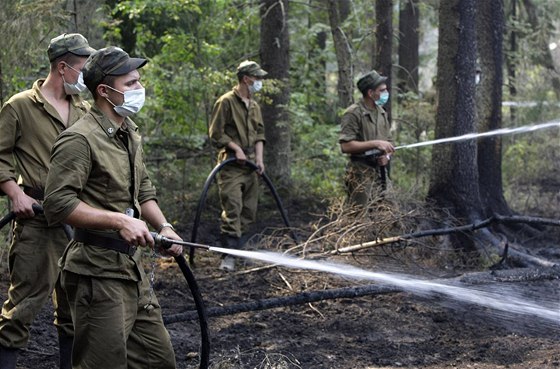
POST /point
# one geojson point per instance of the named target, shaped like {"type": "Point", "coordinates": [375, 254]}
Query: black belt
{"type": "Point", "coordinates": [246, 150]}
{"type": "Point", "coordinates": [370, 162]}
{"type": "Point", "coordinates": [36, 193]}
{"type": "Point", "coordinates": [108, 240]}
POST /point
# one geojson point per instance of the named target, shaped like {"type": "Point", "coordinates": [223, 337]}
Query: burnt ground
{"type": "Point", "coordinates": [397, 330]}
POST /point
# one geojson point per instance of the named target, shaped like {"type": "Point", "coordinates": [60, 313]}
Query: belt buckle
{"type": "Point", "coordinates": [131, 250]}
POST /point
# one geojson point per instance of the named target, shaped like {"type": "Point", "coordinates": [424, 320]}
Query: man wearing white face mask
{"type": "Point", "coordinates": [365, 135]}
{"type": "Point", "coordinates": [237, 130]}
{"type": "Point", "coordinates": [98, 178]}
{"type": "Point", "coordinates": [30, 122]}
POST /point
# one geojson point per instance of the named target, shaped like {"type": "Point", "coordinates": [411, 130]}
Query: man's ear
{"type": "Point", "coordinates": [61, 67]}
{"type": "Point", "coordinates": [101, 90]}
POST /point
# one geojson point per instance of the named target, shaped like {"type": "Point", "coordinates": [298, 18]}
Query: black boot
{"type": "Point", "coordinates": [65, 350]}
{"type": "Point", "coordinates": [8, 357]}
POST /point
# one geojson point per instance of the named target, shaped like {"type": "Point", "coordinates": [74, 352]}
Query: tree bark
{"type": "Point", "coordinates": [454, 177]}
{"type": "Point", "coordinates": [490, 29]}
{"type": "Point", "coordinates": [275, 59]}
{"type": "Point", "coordinates": [384, 37]}
{"type": "Point", "coordinates": [409, 61]}
{"type": "Point", "coordinates": [343, 49]}
{"type": "Point", "coordinates": [546, 57]}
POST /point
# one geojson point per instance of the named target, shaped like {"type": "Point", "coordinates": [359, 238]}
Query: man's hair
{"type": "Point", "coordinates": [68, 58]}
{"type": "Point", "coordinates": [108, 80]}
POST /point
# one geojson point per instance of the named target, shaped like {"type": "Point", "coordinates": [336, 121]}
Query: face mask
{"type": "Point", "coordinates": [383, 98]}
{"type": "Point", "coordinates": [74, 88]}
{"type": "Point", "coordinates": [133, 102]}
{"type": "Point", "coordinates": [256, 87]}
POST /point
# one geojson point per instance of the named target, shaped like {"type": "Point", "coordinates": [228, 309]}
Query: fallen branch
{"type": "Point", "coordinates": [515, 275]}
{"type": "Point", "coordinates": [442, 231]}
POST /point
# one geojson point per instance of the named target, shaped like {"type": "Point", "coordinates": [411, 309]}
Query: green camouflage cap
{"type": "Point", "coordinates": [69, 43]}
{"type": "Point", "coordinates": [250, 68]}
{"type": "Point", "coordinates": [110, 61]}
{"type": "Point", "coordinates": [371, 80]}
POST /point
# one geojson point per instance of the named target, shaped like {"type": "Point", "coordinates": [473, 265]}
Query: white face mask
{"type": "Point", "coordinates": [133, 102]}
{"type": "Point", "coordinates": [256, 87]}
{"type": "Point", "coordinates": [74, 88]}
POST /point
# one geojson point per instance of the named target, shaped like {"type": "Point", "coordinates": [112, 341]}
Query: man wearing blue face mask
{"type": "Point", "coordinates": [98, 183]}
{"type": "Point", "coordinates": [30, 122]}
{"type": "Point", "coordinates": [237, 130]}
{"type": "Point", "coordinates": [365, 135]}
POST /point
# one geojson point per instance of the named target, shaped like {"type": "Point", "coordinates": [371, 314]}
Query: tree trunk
{"type": "Point", "coordinates": [343, 49]}
{"type": "Point", "coordinates": [384, 36]}
{"type": "Point", "coordinates": [454, 178]}
{"type": "Point", "coordinates": [274, 50]}
{"type": "Point", "coordinates": [490, 29]}
{"type": "Point", "coordinates": [409, 61]}
{"type": "Point", "coordinates": [317, 67]}
{"type": "Point", "coordinates": [511, 61]}
{"type": "Point", "coordinates": [546, 57]}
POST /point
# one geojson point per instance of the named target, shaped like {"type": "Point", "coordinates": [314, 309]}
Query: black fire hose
{"type": "Point", "coordinates": [204, 193]}
{"type": "Point", "coordinates": [37, 209]}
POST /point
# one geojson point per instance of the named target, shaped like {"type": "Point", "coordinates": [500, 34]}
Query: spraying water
{"type": "Point", "coordinates": [498, 301]}
{"type": "Point", "coordinates": [470, 136]}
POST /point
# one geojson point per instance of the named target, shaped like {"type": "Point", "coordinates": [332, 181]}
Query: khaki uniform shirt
{"type": "Point", "coordinates": [90, 163]}
{"type": "Point", "coordinates": [29, 125]}
{"type": "Point", "coordinates": [359, 123]}
{"type": "Point", "coordinates": [233, 121]}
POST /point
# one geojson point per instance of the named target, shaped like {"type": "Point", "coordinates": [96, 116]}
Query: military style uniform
{"type": "Point", "coordinates": [98, 162]}
{"type": "Point", "coordinates": [360, 123]}
{"type": "Point", "coordinates": [233, 120]}
{"type": "Point", "coordinates": [29, 126]}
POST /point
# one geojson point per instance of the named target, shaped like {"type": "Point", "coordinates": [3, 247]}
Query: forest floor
{"type": "Point", "coordinates": [396, 330]}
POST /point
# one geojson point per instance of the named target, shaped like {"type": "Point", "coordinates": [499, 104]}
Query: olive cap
{"type": "Point", "coordinates": [250, 68]}
{"type": "Point", "coordinates": [69, 43]}
{"type": "Point", "coordinates": [371, 80]}
{"type": "Point", "coordinates": [109, 61]}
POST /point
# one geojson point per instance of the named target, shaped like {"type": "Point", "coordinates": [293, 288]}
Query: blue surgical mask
{"type": "Point", "coordinates": [256, 86]}
{"type": "Point", "coordinates": [383, 98]}
{"type": "Point", "coordinates": [74, 88]}
{"type": "Point", "coordinates": [133, 102]}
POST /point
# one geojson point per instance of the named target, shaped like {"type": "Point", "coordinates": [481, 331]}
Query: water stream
{"type": "Point", "coordinates": [497, 132]}
{"type": "Point", "coordinates": [499, 299]}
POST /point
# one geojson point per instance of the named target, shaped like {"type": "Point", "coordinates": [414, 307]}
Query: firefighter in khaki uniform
{"type": "Point", "coordinates": [97, 174]}
{"type": "Point", "coordinates": [30, 122]}
{"type": "Point", "coordinates": [237, 130]}
{"type": "Point", "coordinates": [364, 128]}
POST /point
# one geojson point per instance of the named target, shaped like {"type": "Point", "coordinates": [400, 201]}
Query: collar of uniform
{"type": "Point", "coordinates": [75, 100]}
{"type": "Point", "coordinates": [37, 95]}
{"type": "Point", "coordinates": [240, 98]}
{"type": "Point", "coordinates": [366, 110]}
{"type": "Point", "coordinates": [109, 127]}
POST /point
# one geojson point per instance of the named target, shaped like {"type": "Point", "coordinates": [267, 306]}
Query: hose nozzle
{"type": "Point", "coordinates": [166, 242]}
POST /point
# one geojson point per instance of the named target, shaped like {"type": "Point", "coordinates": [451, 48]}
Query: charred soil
{"type": "Point", "coordinates": [397, 330]}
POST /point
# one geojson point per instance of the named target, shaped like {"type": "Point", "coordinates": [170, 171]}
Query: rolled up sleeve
{"type": "Point", "coordinates": [8, 127]}
{"type": "Point", "coordinates": [349, 128]}
{"type": "Point", "coordinates": [70, 167]}
{"type": "Point", "coordinates": [221, 114]}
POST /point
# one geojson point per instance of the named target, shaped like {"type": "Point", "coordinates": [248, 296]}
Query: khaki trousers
{"type": "Point", "coordinates": [363, 184]}
{"type": "Point", "coordinates": [34, 277]}
{"type": "Point", "coordinates": [239, 195]}
{"type": "Point", "coordinates": [113, 328]}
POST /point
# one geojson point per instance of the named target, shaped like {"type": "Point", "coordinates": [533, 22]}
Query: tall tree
{"type": "Point", "coordinates": [490, 30]}
{"type": "Point", "coordinates": [384, 36]}
{"type": "Point", "coordinates": [274, 50]}
{"type": "Point", "coordinates": [454, 177]}
{"type": "Point", "coordinates": [343, 49]}
{"type": "Point", "coordinates": [409, 23]}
